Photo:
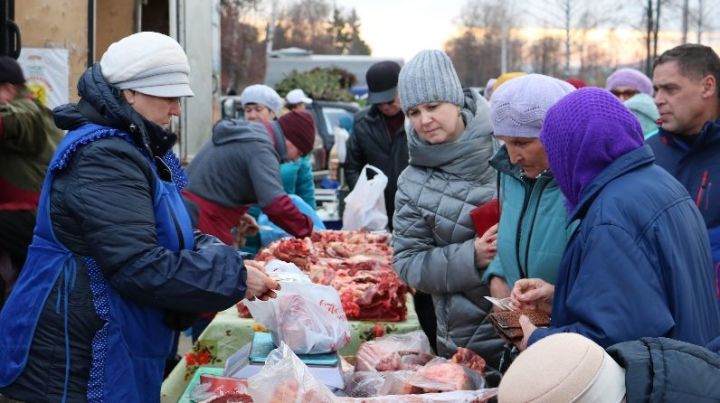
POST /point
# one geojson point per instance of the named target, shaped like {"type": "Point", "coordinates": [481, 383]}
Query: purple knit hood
{"type": "Point", "coordinates": [583, 134]}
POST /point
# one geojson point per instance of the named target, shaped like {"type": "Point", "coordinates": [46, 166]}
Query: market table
{"type": "Point", "coordinates": [228, 332]}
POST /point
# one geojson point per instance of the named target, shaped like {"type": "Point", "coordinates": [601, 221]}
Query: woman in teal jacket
{"type": "Point", "coordinates": [533, 228]}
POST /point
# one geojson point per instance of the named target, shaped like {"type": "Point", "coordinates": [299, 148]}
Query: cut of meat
{"type": "Point", "coordinates": [442, 377]}
{"type": "Point", "coordinates": [357, 264]}
{"type": "Point", "coordinates": [373, 355]}
{"type": "Point", "coordinates": [470, 359]}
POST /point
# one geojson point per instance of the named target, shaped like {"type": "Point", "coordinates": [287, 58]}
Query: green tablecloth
{"type": "Point", "coordinates": [228, 332]}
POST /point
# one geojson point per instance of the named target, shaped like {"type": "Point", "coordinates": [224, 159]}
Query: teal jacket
{"type": "Point", "coordinates": [298, 179]}
{"type": "Point", "coordinates": [533, 227]}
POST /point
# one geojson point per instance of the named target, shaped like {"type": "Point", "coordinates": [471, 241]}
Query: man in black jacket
{"type": "Point", "coordinates": [378, 135]}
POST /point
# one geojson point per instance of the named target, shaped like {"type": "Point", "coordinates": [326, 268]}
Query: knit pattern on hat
{"type": "Point", "coordinates": [147, 60]}
{"type": "Point", "coordinates": [583, 134]}
{"type": "Point", "coordinates": [632, 78]}
{"type": "Point", "coordinates": [518, 107]}
{"type": "Point", "coordinates": [299, 128]}
{"type": "Point", "coordinates": [262, 95]}
{"type": "Point", "coordinates": [429, 77]}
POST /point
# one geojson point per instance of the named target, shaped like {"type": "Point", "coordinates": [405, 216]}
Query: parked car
{"type": "Point", "coordinates": [327, 115]}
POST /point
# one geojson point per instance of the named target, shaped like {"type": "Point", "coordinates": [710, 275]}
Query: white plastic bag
{"type": "Point", "coordinates": [286, 379]}
{"type": "Point", "coordinates": [308, 317]}
{"type": "Point", "coordinates": [365, 205]}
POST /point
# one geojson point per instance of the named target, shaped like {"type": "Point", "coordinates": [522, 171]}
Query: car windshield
{"type": "Point", "coordinates": [332, 116]}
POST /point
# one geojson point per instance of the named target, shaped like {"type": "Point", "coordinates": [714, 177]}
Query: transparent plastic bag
{"type": "Point", "coordinates": [378, 351]}
{"type": "Point", "coordinates": [286, 379]}
{"type": "Point", "coordinates": [442, 375]}
{"type": "Point", "coordinates": [308, 317]}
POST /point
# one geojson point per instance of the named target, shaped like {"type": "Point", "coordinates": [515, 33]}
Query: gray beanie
{"type": "Point", "coordinates": [518, 107]}
{"type": "Point", "coordinates": [429, 77]}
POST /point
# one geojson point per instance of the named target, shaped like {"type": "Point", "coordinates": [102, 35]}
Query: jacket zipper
{"type": "Point", "coordinates": [519, 227]}
{"type": "Point", "coordinates": [532, 224]}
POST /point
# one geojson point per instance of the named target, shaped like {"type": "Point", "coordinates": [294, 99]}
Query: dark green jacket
{"type": "Point", "coordinates": [28, 138]}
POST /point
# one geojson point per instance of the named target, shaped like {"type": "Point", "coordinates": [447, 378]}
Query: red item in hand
{"type": "Point", "coordinates": [485, 216]}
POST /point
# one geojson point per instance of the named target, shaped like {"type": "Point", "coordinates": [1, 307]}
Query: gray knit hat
{"type": "Point", "coordinates": [518, 107]}
{"type": "Point", "coordinates": [429, 77]}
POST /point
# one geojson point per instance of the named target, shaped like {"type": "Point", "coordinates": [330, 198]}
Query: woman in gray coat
{"type": "Point", "coordinates": [436, 251]}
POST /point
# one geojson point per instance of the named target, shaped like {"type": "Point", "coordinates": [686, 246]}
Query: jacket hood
{"type": "Point", "coordinates": [467, 155]}
{"type": "Point", "coordinates": [630, 161]}
{"type": "Point", "coordinates": [583, 134]}
{"type": "Point", "coordinates": [243, 131]}
{"type": "Point", "coordinates": [101, 103]}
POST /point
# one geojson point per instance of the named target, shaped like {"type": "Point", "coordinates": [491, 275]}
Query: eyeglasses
{"type": "Point", "coordinates": [624, 94]}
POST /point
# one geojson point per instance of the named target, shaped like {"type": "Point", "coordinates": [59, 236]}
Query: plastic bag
{"type": "Point", "coordinates": [308, 317]}
{"type": "Point", "coordinates": [365, 205]}
{"type": "Point", "coordinates": [375, 352]}
{"type": "Point", "coordinates": [442, 375]}
{"type": "Point", "coordinates": [220, 389]}
{"type": "Point", "coordinates": [286, 379]}
{"type": "Point", "coordinates": [460, 396]}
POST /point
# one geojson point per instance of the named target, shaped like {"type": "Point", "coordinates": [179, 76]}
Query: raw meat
{"type": "Point", "coordinates": [357, 264]}
{"type": "Point", "coordinates": [468, 358]}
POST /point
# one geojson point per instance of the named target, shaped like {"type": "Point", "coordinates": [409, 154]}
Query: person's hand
{"type": "Point", "coordinates": [247, 226]}
{"type": "Point", "coordinates": [528, 328]}
{"type": "Point", "coordinates": [533, 294]}
{"type": "Point", "coordinates": [486, 247]}
{"type": "Point", "coordinates": [255, 264]}
{"type": "Point", "coordinates": [259, 285]}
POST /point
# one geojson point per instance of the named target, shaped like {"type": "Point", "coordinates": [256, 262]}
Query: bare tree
{"type": "Point", "coordinates": [576, 18]}
{"type": "Point", "coordinates": [242, 51]}
{"type": "Point", "coordinates": [545, 56]}
{"type": "Point", "coordinates": [485, 47]}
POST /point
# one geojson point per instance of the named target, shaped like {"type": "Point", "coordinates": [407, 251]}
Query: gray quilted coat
{"type": "Point", "coordinates": [433, 235]}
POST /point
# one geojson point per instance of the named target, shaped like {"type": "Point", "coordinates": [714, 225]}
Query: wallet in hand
{"type": "Point", "coordinates": [507, 323]}
{"type": "Point", "coordinates": [485, 216]}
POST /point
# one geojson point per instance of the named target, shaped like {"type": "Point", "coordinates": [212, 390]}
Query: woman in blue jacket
{"type": "Point", "coordinates": [114, 267]}
{"type": "Point", "coordinates": [533, 230]}
{"type": "Point", "coordinates": [639, 263]}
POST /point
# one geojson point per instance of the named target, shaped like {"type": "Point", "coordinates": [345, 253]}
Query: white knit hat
{"type": "Point", "coordinates": [262, 95]}
{"type": "Point", "coordinates": [149, 63]}
{"type": "Point", "coordinates": [564, 367]}
{"type": "Point", "coordinates": [518, 107]}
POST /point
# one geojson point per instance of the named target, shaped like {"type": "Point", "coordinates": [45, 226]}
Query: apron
{"type": "Point", "coordinates": [129, 351]}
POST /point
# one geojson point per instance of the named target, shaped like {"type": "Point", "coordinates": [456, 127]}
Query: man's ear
{"type": "Point", "coordinates": [709, 86]}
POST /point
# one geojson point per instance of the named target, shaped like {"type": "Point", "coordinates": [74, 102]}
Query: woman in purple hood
{"type": "Point", "coordinates": [639, 263]}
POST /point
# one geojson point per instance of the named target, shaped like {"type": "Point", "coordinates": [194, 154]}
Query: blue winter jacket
{"type": "Point", "coordinates": [533, 228]}
{"type": "Point", "coordinates": [659, 370]}
{"type": "Point", "coordinates": [639, 263]}
{"type": "Point", "coordinates": [696, 166]}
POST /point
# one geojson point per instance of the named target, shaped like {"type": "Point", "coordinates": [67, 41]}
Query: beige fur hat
{"type": "Point", "coordinates": [564, 367]}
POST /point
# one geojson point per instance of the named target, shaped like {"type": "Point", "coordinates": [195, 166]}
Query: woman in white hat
{"type": "Point", "coordinates": [114, 267]}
